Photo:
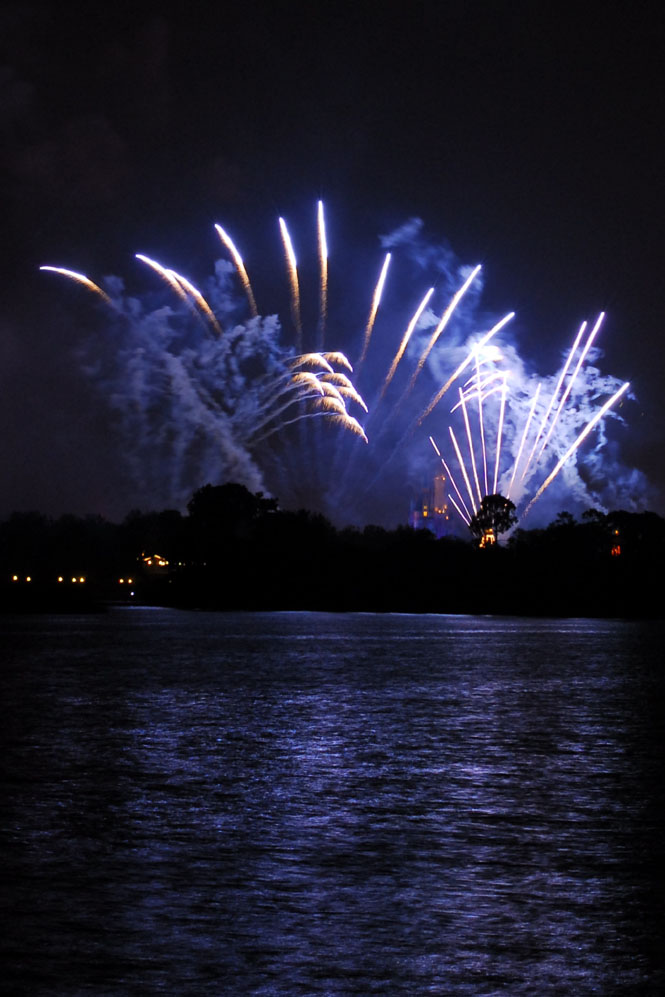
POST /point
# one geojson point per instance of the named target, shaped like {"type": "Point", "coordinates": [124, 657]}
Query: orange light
{"type": "Point", "coordinates": [28, 579]}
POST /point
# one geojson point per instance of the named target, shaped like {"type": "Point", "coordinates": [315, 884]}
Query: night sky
{"type": "Point", "coordinates": [527, 139]}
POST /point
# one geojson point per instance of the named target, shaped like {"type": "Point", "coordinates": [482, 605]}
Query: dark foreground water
{"type": "Point", "coordinates": [298, 804]}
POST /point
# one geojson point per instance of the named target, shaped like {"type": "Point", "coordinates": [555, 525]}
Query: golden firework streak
{"type": "Point", "coordinates": [323, 267]}
{"type": "Point", "coordinates": [292, 270]}
{"type": "Point", "coordinates": [376, 301]}
{"type": "Point", "coordinates": [240, 267]}
{"type": "Point", "coordinates": [80, 278]}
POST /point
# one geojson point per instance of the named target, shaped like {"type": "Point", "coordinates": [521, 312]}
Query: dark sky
{"type": "Point", "coordinates": [529, 138]}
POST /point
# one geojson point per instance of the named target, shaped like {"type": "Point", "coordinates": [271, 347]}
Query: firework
{"type": "Point", "coordinates": [80, 278]}
{"type": "Point", "coordinates": [168, 276]}
{"type": "Point", "coordinates": [582, 436]}
{"type": "Point", "coordinates": [472, 456]}
{"type": "Point", "coordinates": [445, 319]}
{"type": "Point", "coordinates": [499, 435]}
{"type": "Point", "coordinates": [527, 425]}
{"type": "Point", "coordinates": [292, 270]}
{"type": "Point", "coordinates": [223, 405]}
{"type": "Point", "coordinates": [483, 389]}
{"type": "Point", "coordinates": [323, 271]}
{"type": "Point", "coordinates": [376, 301]}
{"type": "Point", "coordinates": [466, 515]}
{"type": "Point", "coordinates": [473, 353]}
{"type": "Point", "coordinates": [571, 382]}
{"type": "Point", "coordinates": [463, 469]}
{"type": "Point", "coordinates": [405, 341]}
{"type": "Point", "coordinates": [240, 267]}
{"type": "Point", "coordinates": [198, 298]}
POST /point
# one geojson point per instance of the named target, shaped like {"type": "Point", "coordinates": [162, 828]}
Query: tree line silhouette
{"type": "Point", "coordinates": [238, 550]}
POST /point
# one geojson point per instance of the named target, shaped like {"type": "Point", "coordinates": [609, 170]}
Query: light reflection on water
{"type": "Point", "coordinates": [317, 804]}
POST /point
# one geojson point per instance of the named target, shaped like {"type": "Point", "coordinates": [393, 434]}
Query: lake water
{"type": "Point", "coordinates": [310, 804]}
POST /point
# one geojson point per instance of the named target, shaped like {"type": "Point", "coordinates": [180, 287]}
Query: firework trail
{"type": "Point", "coordinates": [445, 319]}
{"type": "Point", "coordinates": [575, 445]}
{"type": "Point", "coordinates": [554, 396]}
{"type": "Point", "coordinates": [169, 277]}
{"type": "Point", "coordinates": [481, 420]}
{"type": "Point", "coordinates": [571, 382]}
{"type": "Point", "coordinates": [185, 291]}
{"type": "Point", "coordinates": [462, 465]}
{"type": "Point", "coordinates": [472, 456]}
{"type": "Point", "coordinates": [466, 515]}
{"type": "Point", "coordinates": [220, 399]}
{"type": "Point", "coordinates": [405, 341]}
{"type": "Point", "coordinates": [502, 412]}
{"type": "Point", "coordinates": [292, 270]}
{"type": "Point", "coordinates": [527, 425]}
{"type": "Point", "coordinates": [376, 301]}
{"type": "Point", "coordinates": [80, 279]}
{"type": "Point", "coordinates": [240, 267]}
{"type": "Point", "coordinates": [323, 271]}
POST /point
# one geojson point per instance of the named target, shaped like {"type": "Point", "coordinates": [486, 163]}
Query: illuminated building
{"type": "Point", "coordinates": [154, 563]}
{"type": "Point", "coordinates": [429, 511]}
{"type": "Point", "coordinates": [615, 549]}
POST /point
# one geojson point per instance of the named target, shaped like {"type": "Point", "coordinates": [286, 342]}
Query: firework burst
{"type": "Point", "coordinates": [202, 393]}
{"type": "Point", "coordinates": [551, 442]}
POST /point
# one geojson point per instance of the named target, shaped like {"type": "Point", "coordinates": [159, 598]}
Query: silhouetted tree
{"type": "Point", "coordinates": [231, 506]}
{"type": "Point", "coordinates": [564, 520]}
{"type": "Point", "coordinates": [495, 515]}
